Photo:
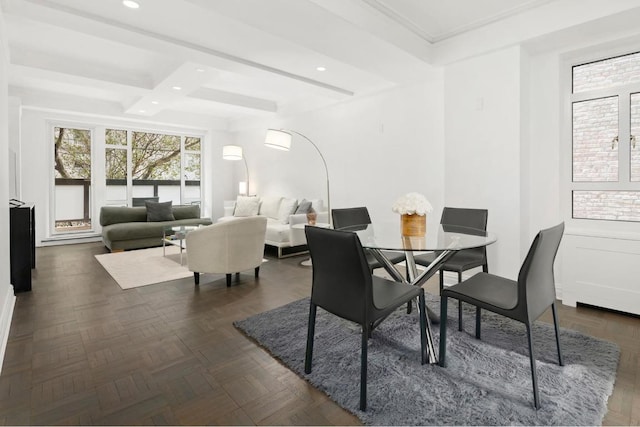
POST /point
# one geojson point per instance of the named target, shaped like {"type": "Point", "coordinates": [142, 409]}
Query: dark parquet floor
{"type": "Point", "coordinates": [82, 351]}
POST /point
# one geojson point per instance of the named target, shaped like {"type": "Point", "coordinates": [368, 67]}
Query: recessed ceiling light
{"type": "Point", "coordinates": [176, 88]}
{"type": "Point", "coordinates": [200, 70]}
{"type": "Point", "coordinates": [131, 4]}
{"type": "Point", "coordinates": [321, 68]}
{"type": "Point", "coordinates": [155, 102]}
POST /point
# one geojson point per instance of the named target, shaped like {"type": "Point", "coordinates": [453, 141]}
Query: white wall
{"type": "Point", "coordinates": [376, 147]}
{"type": "Point", "coordinates": [218, 174]}
{"type": "Point", "coordinates": [7, 298]}
{"type": "Point", "coordinates": [483, 104]}
{"type": "Point", "coordinates": [14, 146]}
{"type": "Point", "coordinates": [544, 134]}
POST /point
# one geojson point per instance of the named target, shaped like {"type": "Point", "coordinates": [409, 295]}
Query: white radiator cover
{"type": "Point", "coordinates": [601, 270]}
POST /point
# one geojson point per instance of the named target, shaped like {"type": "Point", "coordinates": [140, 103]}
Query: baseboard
{"type": "Point", "coordinates": [559, 291]}
{"type": "Point", "coordinates": [5, 321]}
{"type": "Point", "coordinates": [70, 240]}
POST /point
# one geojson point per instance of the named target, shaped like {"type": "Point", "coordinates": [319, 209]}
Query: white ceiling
{"type": "Point", "coordinates": [239, 59]}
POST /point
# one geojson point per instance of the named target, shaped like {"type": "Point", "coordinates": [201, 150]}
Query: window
{"type": "Point", "coordinates": [154, 165]}
{"type": "Point", "coordinates": [605, 114]}
{"type": "Point", "coordinates": [128, 164]}
{"type": "Point", "coordinates": [116, 154]}
{"type": "Point", "coordinates": [72, 183]}
{"type": "Point", "coordinates": [192, 170]}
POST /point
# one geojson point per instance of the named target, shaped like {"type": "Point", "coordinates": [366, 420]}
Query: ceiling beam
{"type": "Point", "coordinates": [100, 26]}
{"type": "Point", "coordinates": [235, 99]}
{"type": "Point", "coordinates": [67, 71]}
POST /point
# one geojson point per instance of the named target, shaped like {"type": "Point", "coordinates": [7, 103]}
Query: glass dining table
{"type": "Point", "coordinates": [445, 240]}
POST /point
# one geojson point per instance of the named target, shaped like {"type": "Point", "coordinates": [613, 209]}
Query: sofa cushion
{"type": "Point", "coordinates": [159, 211]}
{"type": "Point", "coordinates": [247, 206]}
{"type": "Point", "coordinates": [117, 214]}
{"type": "Point", "coordinates": [186, 211]}
{"type": "Point", "coordinates": [276, 232]}
{"type": "Point", "coordinates": [287, 207]}
{"type": "Point", "coordinates": [144, 230]}
{"type": "Point", "coordinates": [270, 206]}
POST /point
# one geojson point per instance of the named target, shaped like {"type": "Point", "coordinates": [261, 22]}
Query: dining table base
{"type": "Point", "coordinates": [416, 279]}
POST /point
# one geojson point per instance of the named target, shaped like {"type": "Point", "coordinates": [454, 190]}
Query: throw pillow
{"type": "Point", "coordinates": [247, 206]}
{"type": "Point", "coordinates": [159, 211]}
{"type": "Point", "coordinates": [270, 206]}
{"type": "Point", "coordinates": [303, 207]}
{"type": "Point", "coordinates": [287, 207]}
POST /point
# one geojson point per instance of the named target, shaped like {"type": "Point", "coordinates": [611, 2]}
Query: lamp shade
{"type": "Point", "coordinates": [232, 152]}
{"type": "Point", "coordinates": [242, 188]}
{"type": "Point", "coordinates": [278, 139]}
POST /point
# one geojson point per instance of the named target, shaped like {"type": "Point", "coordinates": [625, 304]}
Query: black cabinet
{"type": "Point", "coordinates": [22, 245]}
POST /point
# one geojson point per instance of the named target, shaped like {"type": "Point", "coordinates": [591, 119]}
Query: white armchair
{"type": "Point", "coordinates": [227, 247]}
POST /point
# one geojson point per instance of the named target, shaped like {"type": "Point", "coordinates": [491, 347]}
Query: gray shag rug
{"type": "Point", "coordinates": [485, 382]}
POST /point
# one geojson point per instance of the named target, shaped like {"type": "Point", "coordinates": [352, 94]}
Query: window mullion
{"type": "Point", "coordinates": [624, 133]}
{"type": "Point", "coordinates": [182, 171]}
{"type": "Point", "coordinates": [129, 168]}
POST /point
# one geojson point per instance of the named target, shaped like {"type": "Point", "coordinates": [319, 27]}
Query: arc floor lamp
{"type": "Point", "coordinates": [280, 139]}
{"type": "Point", "coordinates": [234, 152]}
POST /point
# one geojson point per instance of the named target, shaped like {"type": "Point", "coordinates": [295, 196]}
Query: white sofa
{"type": "Point", "coordinates": [281, 217]}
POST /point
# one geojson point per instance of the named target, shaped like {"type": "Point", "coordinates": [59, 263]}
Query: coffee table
{"type": "Point", "coordinates": [176, 236]}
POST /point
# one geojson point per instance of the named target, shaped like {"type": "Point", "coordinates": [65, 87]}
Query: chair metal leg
{"type": "Point", "coordinates": [228, 280]}
{"type": "Point", "coordinates": [443, 331]}
{"type": "Point", "coordinates": [534, 375]}
{"type": "Point", "coordinates": [557, 328]}
{"type": "Point", "coordinates": [257, 272]}
{"type": "Point", "coordinates": [441, 279]}
{"type": "Point", "coordinates": [459, 304]}
{"type": "Point", "coordinates": [423, 328]}
{"type": "Point", "coordinates": [363, 368]}
{"type": "Point", "coordinates": [311, 329]}
{"type": "Point", "coordinates": [196, 277]}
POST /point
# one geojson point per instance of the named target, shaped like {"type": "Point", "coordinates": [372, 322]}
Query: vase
{"type": "Point", "coordinates": [312, 216]}
{"type": "Point", "coordinates": [413, 225]}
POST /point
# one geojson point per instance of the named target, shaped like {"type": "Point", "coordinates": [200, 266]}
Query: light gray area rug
{"type": "Point", "coordinates": [142, 267]}
{"type": "Point", "coordinates": [485, 382]}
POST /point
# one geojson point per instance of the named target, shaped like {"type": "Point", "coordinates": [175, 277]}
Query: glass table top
{"type": "Point", "coordinates": [442, 237]}
{"type": "Point", "coordinates": [180, 228]}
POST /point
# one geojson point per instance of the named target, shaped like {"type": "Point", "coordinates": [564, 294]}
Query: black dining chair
{"type": "Point", "coordinates": [462, 260]}
{"type": "Point", "coordinates": [350, 217]}
{"type": "Point", "coordinates": [524, 300]}
{"type": "Point", "coordinates": [344, 286]}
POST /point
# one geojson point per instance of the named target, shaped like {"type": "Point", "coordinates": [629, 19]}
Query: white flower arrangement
{"type": "Point", "coordinates": [412, 204]}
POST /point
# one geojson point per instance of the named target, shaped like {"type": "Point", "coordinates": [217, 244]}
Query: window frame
{"type": "Point", "coordinates": [567, 98]}
{"type": "Point", "coordinates": [98, 171]}
{"type": "Point", "coordinates": [51, 224]}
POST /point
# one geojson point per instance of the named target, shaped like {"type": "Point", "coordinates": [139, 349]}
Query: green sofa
{"type": "Point", "coordinates": [126, 228]}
